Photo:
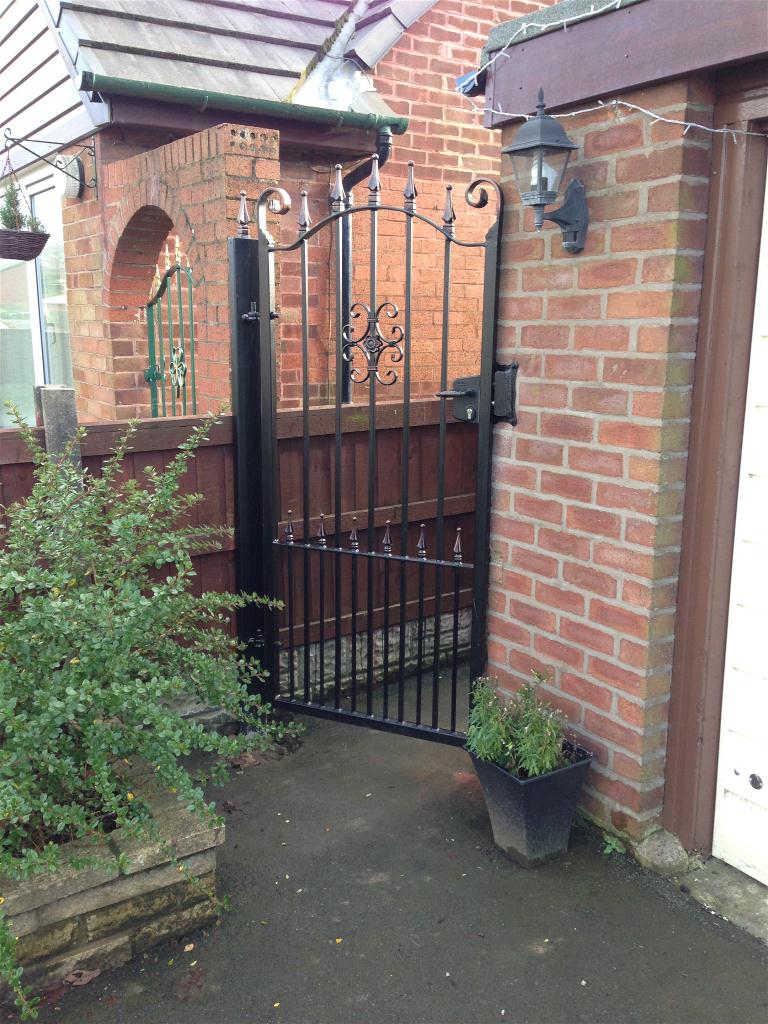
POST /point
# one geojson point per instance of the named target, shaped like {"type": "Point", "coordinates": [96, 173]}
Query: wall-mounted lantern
{"type": "Point", "coordinates": [540, 155]}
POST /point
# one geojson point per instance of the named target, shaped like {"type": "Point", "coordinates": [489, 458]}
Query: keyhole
{"type": "Point", "coordinates": [755, 781]}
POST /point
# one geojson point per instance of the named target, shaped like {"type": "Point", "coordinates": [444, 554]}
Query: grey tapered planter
{"type": "Point", "coordinates": [531, 818]}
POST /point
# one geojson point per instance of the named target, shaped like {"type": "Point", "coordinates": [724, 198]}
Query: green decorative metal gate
{"type": "Point", "coordinates": [171, 339]}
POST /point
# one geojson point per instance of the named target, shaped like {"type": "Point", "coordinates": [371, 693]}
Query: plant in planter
{"type": "Point", "coordinates": [99, 632]}
{"type": "Point", "coordinates": [530, 773]}
{"type": "Point", "coordinates": [22, 236]}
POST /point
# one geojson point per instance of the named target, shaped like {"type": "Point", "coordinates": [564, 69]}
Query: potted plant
{"type": "Point", "coordinates": [22, 236]}
{"type": "Point", "coordinates": [530, 773]}
{"type": "Point", "coordinates": [99, 633]}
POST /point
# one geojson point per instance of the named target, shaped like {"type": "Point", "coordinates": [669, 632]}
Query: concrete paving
{"type": "Point", "coordinates": [730, 894]}
{"type": "Point", "coordinates": [366, 890]}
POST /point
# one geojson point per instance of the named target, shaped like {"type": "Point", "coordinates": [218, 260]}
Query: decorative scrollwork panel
{"type": "Point", "coordinates": [372, 344]}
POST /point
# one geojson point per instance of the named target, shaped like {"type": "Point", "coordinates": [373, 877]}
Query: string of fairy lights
{"type": "Point", "coordinates": [616, 104]}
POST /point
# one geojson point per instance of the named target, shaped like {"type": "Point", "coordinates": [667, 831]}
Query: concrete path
{"type": "Point", "coordinates": [366, 890]}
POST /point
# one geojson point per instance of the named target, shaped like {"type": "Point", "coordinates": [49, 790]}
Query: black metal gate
{"type": "Point", "coordinates": [372, 628]}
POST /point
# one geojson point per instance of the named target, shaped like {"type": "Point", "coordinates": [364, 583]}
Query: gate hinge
{"type": "Point", "coordinates": [253, 313]}
{"type": "Point", "coordinates": [504, 403]}
{"type": "Point", "coordinates": [466, 396]}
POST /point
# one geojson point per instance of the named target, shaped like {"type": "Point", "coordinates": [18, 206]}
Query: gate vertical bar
{"type": "Point", "coordinates": [354, 548]}
{"type": "Point", "coordinates": [289, 539]}
{"type": "Point", "coordinates": [159, 324]}
{"type": "Point", "coordinates": [151, 374]}
{"type": "Point", "coordinates": [191, 315]}
{"type": "Point", "coordinates": [251, 290]}
{"type": "Point", "coordinates": [480, 578]}
{"type": "Point", "coordinates": [180, 318]}
{"type": "Point", "coordinates": [374, 188]}
{"type": "Point", "coordinates": [387, 543]}
{"type": "Point", "coordinates": [449, 216]}
{"type": "Point", "coordinates": [410, 194]}
{"type": "Point", "coordinates": [304, 223]}
{"type": "Point", "coordinates": [171, 345]}
{"type": "Point", "coordinates": [457, 558]}
{"type": "Point", "coordinates": [337, 203]}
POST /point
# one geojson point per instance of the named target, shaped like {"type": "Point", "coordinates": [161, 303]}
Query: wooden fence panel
{"type": "Point", "coordinates": [211, 474]}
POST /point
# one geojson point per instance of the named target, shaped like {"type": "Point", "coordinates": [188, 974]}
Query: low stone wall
{"type": "Point", "coordinates": [361, 658]}
{"type": "Point", "coordinates": [98, 917]}
{"type": "Point", "coordinates": [215, 718]}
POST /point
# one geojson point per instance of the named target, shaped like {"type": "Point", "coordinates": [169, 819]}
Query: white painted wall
{"type": "Point", "coordinates": [741, 809]}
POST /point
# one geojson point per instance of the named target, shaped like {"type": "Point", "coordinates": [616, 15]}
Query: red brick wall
{"type": "Point", "coordinates": [589, 489]}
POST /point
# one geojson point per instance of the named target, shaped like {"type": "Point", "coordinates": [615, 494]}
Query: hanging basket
{"type": "Point", "coordinates": [21, 245]}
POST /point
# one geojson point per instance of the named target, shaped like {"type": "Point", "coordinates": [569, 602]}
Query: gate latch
{"type": "Point", "coordinates": [253, 314]}
{"type": "Point", "coordinates": [466, 396]}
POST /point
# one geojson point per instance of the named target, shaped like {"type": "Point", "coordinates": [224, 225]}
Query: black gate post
{"type": "Point", "coordinates": [251, 298]}
{"type": "Point", "coordinates": [478, 656]}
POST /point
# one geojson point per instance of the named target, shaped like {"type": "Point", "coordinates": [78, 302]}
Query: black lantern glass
{"type": "Point", "coordinates": [540, 155]}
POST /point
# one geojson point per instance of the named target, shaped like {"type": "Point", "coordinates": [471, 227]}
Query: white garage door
{"type": "Point", "coordinates": [741, 810]}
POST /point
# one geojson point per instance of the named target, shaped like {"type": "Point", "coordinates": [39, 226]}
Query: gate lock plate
{"type": "Point", "coordinates": [466, 396]}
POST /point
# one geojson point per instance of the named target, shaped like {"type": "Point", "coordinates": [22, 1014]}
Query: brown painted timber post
{"type": "Point", "coordinates": [717, 422]}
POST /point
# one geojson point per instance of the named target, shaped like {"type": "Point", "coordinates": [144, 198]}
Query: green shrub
{"type": "Point", "coordinates": [525, 736]}
{"type": "Point", "coordinates": [99, 632]}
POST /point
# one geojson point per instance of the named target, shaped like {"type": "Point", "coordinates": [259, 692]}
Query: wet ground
{"type": "Point", "coordinates": [366, 889]}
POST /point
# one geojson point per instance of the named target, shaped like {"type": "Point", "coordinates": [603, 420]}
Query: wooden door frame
{"type": "Point", "coordinates": [717, 421]}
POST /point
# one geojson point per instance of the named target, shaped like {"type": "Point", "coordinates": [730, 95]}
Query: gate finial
{"type": "Point", "coordinates": [449, 214]}
{"type": "Point", "coordinates": [243, 217]}
{"type": "Point", "coordinates": [387, 539]}
{"type": "Point", "coordinates": [374, 182]}
{"type": "Point", "coordinates": [167, 257]}
{"type": "Point", "coordinates": [421, 547]}
{"type": "Point", "coordinates": [409, 191]}
{"type": "Point", "coordinates": [322, 539]}
{"type": "Point", "coordinates": [289, 527]}
{"type": "Point", "coordinates": [457, 552]}
{"type": "Point", "coordinates": [338, 195]}
{"type": "Point", "coordinates": [304, 218]}
{"type": "Point", "coordinates": [353, 541]}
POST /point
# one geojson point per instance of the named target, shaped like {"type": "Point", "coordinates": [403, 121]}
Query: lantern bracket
{"type": "Point", "coordinates": [572, 217]}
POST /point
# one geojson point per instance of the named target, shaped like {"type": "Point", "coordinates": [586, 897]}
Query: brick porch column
{"type": "Point", "coordinates": [589, 489]}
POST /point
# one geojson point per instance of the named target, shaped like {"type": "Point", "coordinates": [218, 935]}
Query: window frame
{"type": "Point", "coordinates": [35, 181]}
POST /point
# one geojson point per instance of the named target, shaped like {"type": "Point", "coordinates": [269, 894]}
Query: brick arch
{"type": "Point", "coordinates": [148, 218]}
{"type": "Point", "coordinates": [142, 211]}
{"type": "Point", "coordinates": [132, 266]}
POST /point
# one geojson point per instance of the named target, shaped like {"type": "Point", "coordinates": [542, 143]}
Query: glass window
{"type": "Point", "coordinates": [34, 330]}
{"type": "Point", "coordinates": [52, 291]}
{"type": "Point", "coordinates": [17, 342]}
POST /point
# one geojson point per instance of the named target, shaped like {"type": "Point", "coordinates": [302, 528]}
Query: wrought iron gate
{"type": "Point", "coordinates": [346, 644]}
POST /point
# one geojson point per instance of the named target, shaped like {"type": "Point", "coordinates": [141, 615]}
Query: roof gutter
{"type": "Point", "coordinates": [89, 81]}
